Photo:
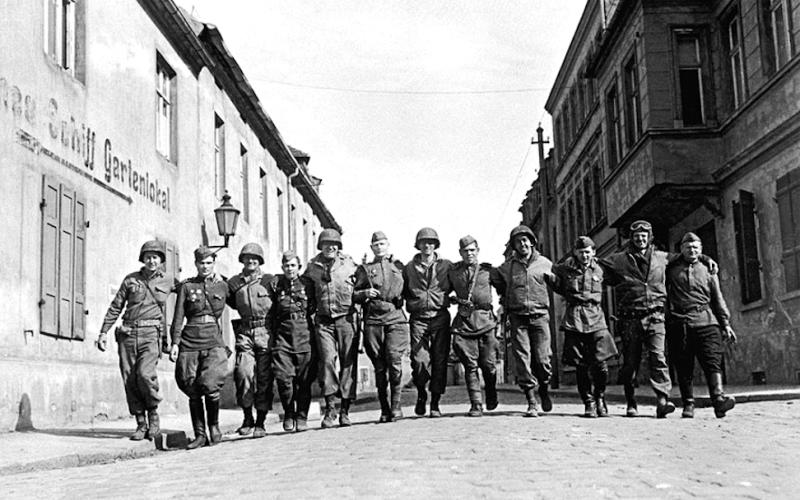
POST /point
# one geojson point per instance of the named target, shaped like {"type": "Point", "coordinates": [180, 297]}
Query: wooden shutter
{"type": "Point", "coordinates": [744, 223]}
{"type": "Point", "coordinates": [48, 303]}
{"type": "Point", "coordinates": [79, 270]}
{"type": "Point", "coordinates": [172, 270]}
{"type": "Point", "coordinates": [66, 257]}
{"type": "Point", "coordinates": [788, 197]}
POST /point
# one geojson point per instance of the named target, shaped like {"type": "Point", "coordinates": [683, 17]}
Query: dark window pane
{"type": "Point", "coordinates": [691, 96]}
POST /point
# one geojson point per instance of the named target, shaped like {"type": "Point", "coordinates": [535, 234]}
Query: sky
{"type": "Point", "coordinates": [414, 113]}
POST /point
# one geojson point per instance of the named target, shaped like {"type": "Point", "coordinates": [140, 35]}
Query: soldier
{"type": "Point", "coordinates": [426, 293]}
{"type": "Point", "coordinates": [198, 349]}
{"type": "Point", "coordinates": [252, 373]}
{"type": "Point", "coordinates": [697, 322]}
{"type": "Point", "coordinates": [379, 286]}
{"type": "Point", "coordinates": [333, 275]}
{"type": "Point", "coordinates": [587, 341]}
{"type": "Point", "coordinates": [143, 295]}
{"type": "Point", "coordinates": [474, 340]}
{"type": "Point", "coordinates": [521, 282]}
{"type": "Point", "coordinates": [293, 355]}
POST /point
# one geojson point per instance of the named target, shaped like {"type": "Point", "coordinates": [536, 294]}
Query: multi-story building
{"type": "Point", "coordinates": [687, 114]}
{"type": "Point", "coordinates": [122, 122]}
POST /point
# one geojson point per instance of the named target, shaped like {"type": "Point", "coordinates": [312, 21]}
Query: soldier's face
{"type": "Point", "coordinates": [691, 250]}
{"type": "Point", "coordinates": [469, 253]}
{"type": "Point", "coordinates": [291, 269]}
{"type": "Point", "coordinates": [523, 246]}
{"type": "Point", "coordinates": [640, 239]}
{"type": "Point", "coordinates": [584, 255]}
{"type": "Point", "coordinates": [151, 261]}
{"type": "Point", "coordinates": [380, 248]}
{"type": "Point", "coordinates": [205, 267]}
{"type": "Point", "coordinates": [329, 249]}
{"type": "Point", "coordinates": [427, 247]}
{"type": "Point", "coordinates": [250, 263]}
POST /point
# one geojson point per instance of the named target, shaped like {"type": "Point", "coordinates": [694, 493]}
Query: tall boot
{"type": "Point", "coordinates": [474, 391]}
{"type": "Point", "coordinates": [397, 406]}
{"type": "Point", "coordinates": [632, 409]}
{"type": "Point", "coordinates": [722, 403]}
{"type": "Point", "coordinates": [154, 424]}
{"type": "Point", "coordinates": [141, 427]}
{"type": "Point", "coordinates": [198, 424]}
{"type": "Point", "coordinates": [288, 411]}
{"type": "Point", "coordinates": [301, 415]}
{"type": "Point", "coordinates": [490, 384]}
{"type": "Point", "coordinates": [261, 416]}
{"type": "Point", "coordinates": [422, 398]}
{"type": "Point", "coordinates": [344, 413]}
{"type": "Point", "coordinates": [585, 391]}
{"type": "Point", "coordinates": [687, 396]}
{"type": "Point", "coordinates": [544, 394]}
{"type": "Point", "coordinates": [435, 411]}
{"type": "Point", "coordinates": [329, 419]}
{"type": "Point", "coordinates": [600, 376]}
{"type": "Point", "coordinates": [212, 417]}
{"type": "Point", "coordinates": [533, 404]}
{"type": "Point", "coordinates": [247, 423]}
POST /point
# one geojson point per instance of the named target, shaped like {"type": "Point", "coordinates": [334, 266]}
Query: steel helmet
{"type": "Point", "coordinates": [253, 249]}
{"type": "Point", "coordinates": [154, 246]}
{"type": "Point", "coordinates": [330, 235]}
{"type": "Point", "coordinates": [426, 233]}
{"type": "Point", "coordinates": [520, 231]}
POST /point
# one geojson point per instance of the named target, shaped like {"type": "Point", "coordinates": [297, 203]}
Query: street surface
{"type": "Point", "coordinates": [752, 453]}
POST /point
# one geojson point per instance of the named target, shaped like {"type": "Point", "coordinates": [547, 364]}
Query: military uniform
{"type": "Point", "coordinates": [587, 341]}
{"type": "Point", "coordinates": [294, 358]}
{"type": "Point", "coordinates": [473, 329]}
{"type": "Point", "coordinates": [202, 364]}
{"type": "Point", "coordinates": [386, 328]}
{"type": "Point", "coordinates": [252, 374]}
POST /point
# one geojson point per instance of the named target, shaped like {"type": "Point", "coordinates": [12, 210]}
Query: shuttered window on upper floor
{"type": "Point", "coordinates": [788, 197]}
{"type": "Point", "coordinates": [744, 224]}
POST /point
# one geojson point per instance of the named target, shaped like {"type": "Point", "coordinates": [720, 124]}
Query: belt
{"type": "Point", "coordinates": [293, 315]}
{"type": "Point", "coordinates": [142, 323]}
{"type": "Point", "coordinates": [639, 313]}
{"type": "Point", "coordinates": [202, 319]}
{"type": "Point", "coordinates": [699, 308]}
{"type": "Point", "coordinates": [253, 323]}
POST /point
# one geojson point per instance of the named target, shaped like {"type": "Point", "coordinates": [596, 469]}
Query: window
{"type": "Point", "coordinates": [60, 33]}
{"type": "Point", "coordinates": [63, 280]}
{"type": "Point", "coordinates": [219, 156]}
{"type": "Point", "coordinates": [582, 105]}
{"type": "Point", "coordinates": [570, 222]}
{"type": "Point", "coordinates": [575, 117]}
{"type": "Point", "coordinates": [565, 243]}
{"type": "Point", "coordinates": [744, 226]}
{"type": "Point", "coordinates": [597, 180]}
{"type": "Point", "coordinates": [690, 77]}
{"type": "Point", "coordinates": [293, 228]}
{"type": "Point", "coordinates": [245, 174]}
{"type": "Point", "coordinates": [165, 112]}
{"type": "Point", "coordinates": [306, 242]}
{"type": "Point", "coordinates": [733, 45]}
{"type": "Point", "coordinates": [776, 31]}
{"type": "Point", "coordinates": [788, 195]}
{"type": "Point", "coordinates": [633, 110]}
{"type": "Point", "coordinates": [591, 216]}
{"type": "Point", "coordinates": [614, 130]}
{"type": "Point", "coordinates": [264, 204]}
{"type": "Point", "coordinates": [281, 221]}
{"type": "Point", "coordinates": [567, 124]}
{"type": "Point", "coordinates": [580, 228]}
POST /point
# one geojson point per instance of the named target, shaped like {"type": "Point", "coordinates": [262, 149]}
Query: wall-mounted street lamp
{"type": "Point", "coordinates": [227, 216]}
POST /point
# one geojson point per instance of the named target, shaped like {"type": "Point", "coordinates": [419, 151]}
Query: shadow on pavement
{"type": "Point", "coordinates": [85, 433]}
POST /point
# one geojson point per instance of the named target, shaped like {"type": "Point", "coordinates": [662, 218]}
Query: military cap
{"type": "Point", "coordinates": [288, 256]}
{"type": "Point", "coordinates": [202, 252]}
{"type": "Point", "coordinates": [690, 237]}
{"type": "Point", "coordinates": [466, 241]}
{"type": "Point", "coordinates": [584, 242]}
{"type": "Point", "coordinates": [378, 236]}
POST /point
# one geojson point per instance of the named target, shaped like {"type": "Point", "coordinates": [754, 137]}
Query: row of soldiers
{"type": "Point", "coordinates": [301, 328]}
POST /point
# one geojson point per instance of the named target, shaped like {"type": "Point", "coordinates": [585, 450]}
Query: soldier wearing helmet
{"type": "Point", "coordinates": [426, 294]}
{"type": "Point", "coordinates": [252, 373]}
{"type": "Point", "coordinates": [142, 296]}
{"type": "Point", "coordinates": [521, 282]}
{"type": "Point", "coordinates": [333, 274]}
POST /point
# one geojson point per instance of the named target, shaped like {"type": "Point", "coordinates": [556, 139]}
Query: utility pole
{"type": "Point", "coordinates": [548, 245]}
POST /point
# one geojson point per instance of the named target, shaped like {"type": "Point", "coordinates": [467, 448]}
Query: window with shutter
{"type": "Point", "coordinates": [788, 196]}
{"type": "Point", "coordinates": [172, 269]}
{"type": "Point", "coordinates": [744, 223]}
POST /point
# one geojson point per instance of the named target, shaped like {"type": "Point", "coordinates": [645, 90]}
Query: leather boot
{"type": "Point", "coordinates": [722, 403]}
{"type": "Point", "coordinates": [474, 391]}
{"type": "Point", "coordinates": [632, 410]}
{"type": "Point", "coordinates": [154, 424]}
{"type": "Point", "coordinates": [544, 394]}
{"type": "Point", "coordinates": [397, 405]}
{"type": "Point", "coordinates": [585, 391]}
{"type": "Point", "coordinates": [212, 418]}
{"type": "Point", "coordinates": [301, 417]}
{"type": "Point", "coordinates": [329, 419]}
{"type": "Point", "coordinates": [344, 413]}
{"type": "Point", "coordinates": [435, 411]}
{"type": "Point", "coordinates": [685, 384]}
{"type": "Point", "coordinates": [247, 423]}
{"type": "Point", "coordinates": [386, 409]}
{"type": "Point", "coordinates": [490, 385]}
{"type": "Point", "coordinates": [261, 416]}
{"type": "Point", "coordinates": [198, 424]}
{"type": "Point", "coordinates": [663, 406]}
{"type": "Point", "coordinates": [475, 409]}
{"type": "Point", "coordinates": [422, 398]}
{"type": "Point", "coordinates": [141, 427]}
{"type": "Point", "coordinates": [600, 381]}
{"type": "Point", "coordinates": [533, 405]}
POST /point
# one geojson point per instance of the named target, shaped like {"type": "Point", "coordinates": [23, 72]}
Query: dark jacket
{"type": "Point", "coordinates": [426, 288]}
{"type": "Point", "coordinates": [384, 274]}
{"type": "Point", "coordinates": [582, 289]}
{"type": "Point", "coordinates": [637, 291]}
{"type": "Point", "coordinates": [201, 302]}
{"type": "Point", "coordinates": [472, 286]}
{"type": "Point", "coordinates": [333, 284]}
{"type": "Point", "coordinates": [695, 298]}
{"type": "Point", "coordinates": [522, 285]}
{"type": "Point", "coordinates": [139, 303]}
{"type": "Point", "coordinates": [291, 313]}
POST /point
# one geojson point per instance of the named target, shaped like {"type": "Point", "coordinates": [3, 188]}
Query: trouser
{"type": "Point", "coordinates": [385, 346]}
{"type": "Point", "coordinates": [430, 350]}
{"type": "Point", "coordinates": [591, 380]}
{"type": "Point", "coordinates": [648, 332]}
{"type": "Point", "coordinates": [530, 341]}
{"type": "Point", "coordinates": [253, 373]}
{"type": "Point", "coordinates": [337, 342]}
{"type": "Point", "coordinates": [474, 353]}
{"type": "Point", "coordinates": [294, 373]}
{"type": "Point", "coordinates": [201, 373]}
{"type": "Point", "coordinates": [686, 343]}
{"type": "Point", "coordinates": [138, 356]}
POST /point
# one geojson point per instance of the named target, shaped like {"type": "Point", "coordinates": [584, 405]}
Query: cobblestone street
{"type": "Point", "coordinates": [753, 453]}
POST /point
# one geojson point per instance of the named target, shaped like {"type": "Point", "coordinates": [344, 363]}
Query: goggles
{"type": "Point", "coordinates": [641, 225]}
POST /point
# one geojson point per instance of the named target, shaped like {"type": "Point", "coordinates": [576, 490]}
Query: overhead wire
{"type": "Point", "coordinates": [511, 192]}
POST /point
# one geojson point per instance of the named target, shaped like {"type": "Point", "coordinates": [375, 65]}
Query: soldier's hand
{"type": "Point", "coordinates": [101, 342]}
{"type": "Point", "coordinates": [371, 293]}
{"type": "Point", "coordinates": [173, 353]}
{"type": "Point", "coordinates": [729, 335]}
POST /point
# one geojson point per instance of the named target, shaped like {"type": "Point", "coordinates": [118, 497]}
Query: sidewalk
{"type": "Point", "coordinates": [80, 445]}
